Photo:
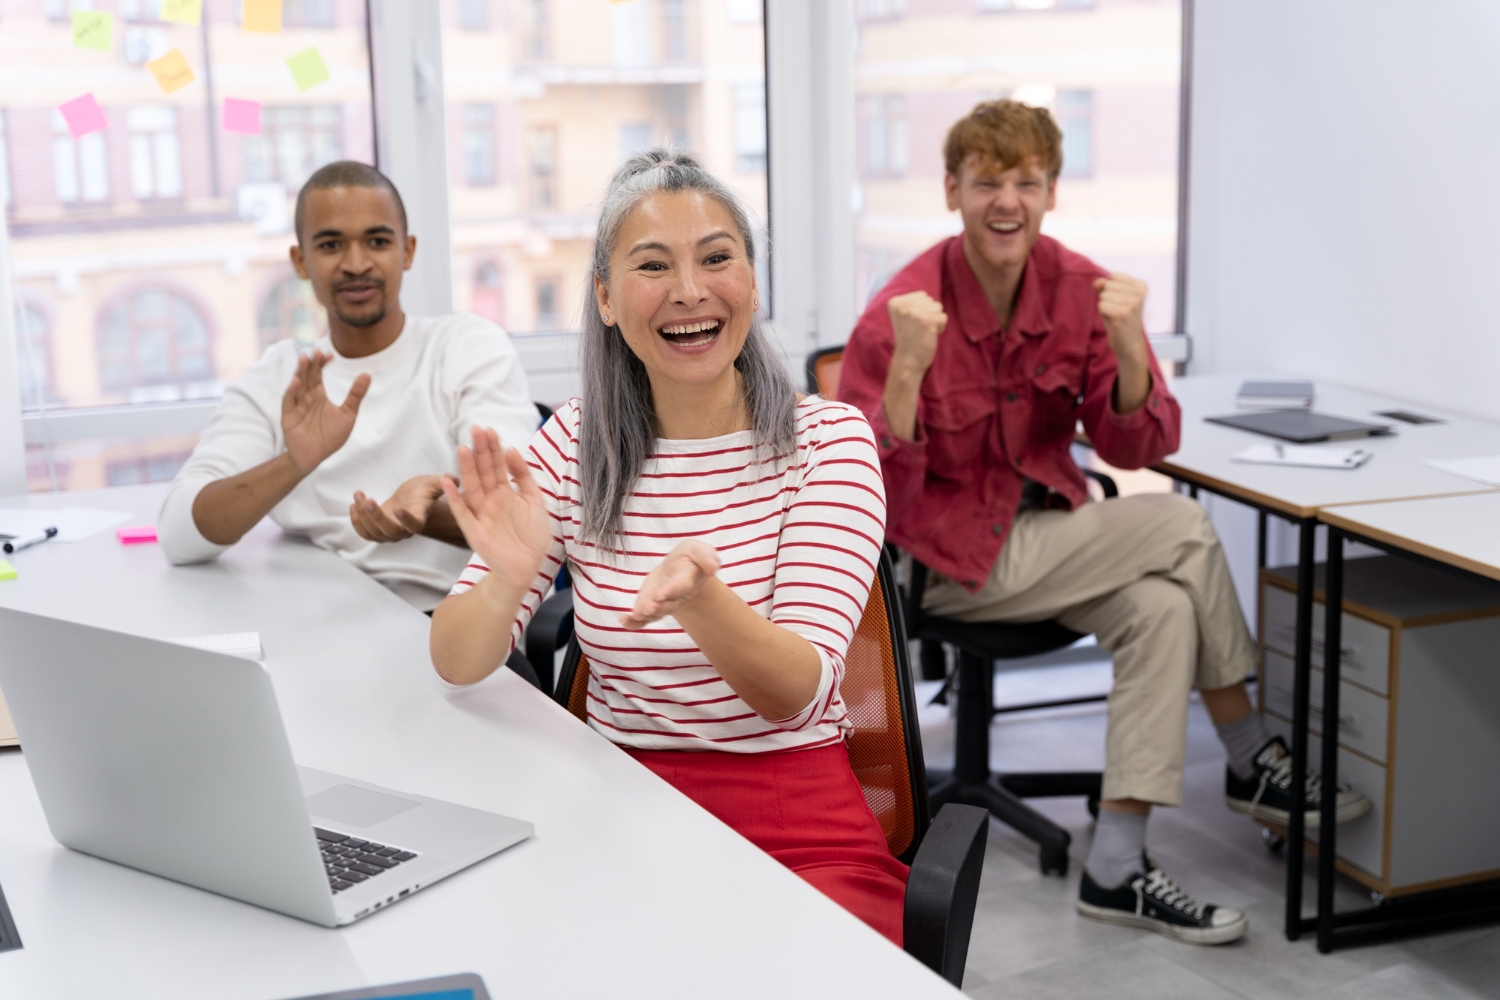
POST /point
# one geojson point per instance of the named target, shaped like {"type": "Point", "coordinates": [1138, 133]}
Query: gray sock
{"type": "Point", "coordinates": [1119, 842]}
{"type": "Point", "coordinates": [1244, 738]}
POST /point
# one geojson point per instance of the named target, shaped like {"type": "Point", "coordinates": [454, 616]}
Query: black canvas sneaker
{"type": "Point", "coordinates": [1150, 899]}
{"type": "Point", "coordinates": [1267, 795]}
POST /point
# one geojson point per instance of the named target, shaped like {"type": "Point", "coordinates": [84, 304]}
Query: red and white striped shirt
{"type": "Point", "coordinates": [798, 537]}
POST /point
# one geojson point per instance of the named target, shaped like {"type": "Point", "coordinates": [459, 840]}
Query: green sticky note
{"type": "Point", "coordinates": [7, 571]}
{"type": "Point", "coordinates": [307, 69]}
{"type": "Point", "coordinates": [93, 29]}
{"type": "Point", "coordinates": [182, 11]}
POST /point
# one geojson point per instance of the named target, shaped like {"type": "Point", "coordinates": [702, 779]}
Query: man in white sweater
{"type": "Point", "coordinates": [413, 389]}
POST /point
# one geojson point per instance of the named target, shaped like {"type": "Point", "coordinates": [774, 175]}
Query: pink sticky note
{"type": "Point", "coordinates": [83, 115]}
{"type": "Point", "coordinates": [241, 116]}
{"type": "Point", "coordinates": [134, 536]}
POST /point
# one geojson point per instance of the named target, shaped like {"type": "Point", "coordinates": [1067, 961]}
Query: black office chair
{"type": "Point", "coordinates": [945, 852]}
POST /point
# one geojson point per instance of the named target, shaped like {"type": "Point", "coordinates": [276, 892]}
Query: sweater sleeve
{"type": "Point", "coordinates": [487, 386]}
{"type": "Point", "coordinates": [549, 456]}
{"type": "Point", "coordinates": [829, 547]}
{"type": "Point", "coordinates": [244, 432]}
{"type": "Point", "coordinates": [1132, 440]}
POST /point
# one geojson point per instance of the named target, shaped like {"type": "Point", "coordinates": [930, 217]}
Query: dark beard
{"type": "Point", "coordinates": [360, 322]}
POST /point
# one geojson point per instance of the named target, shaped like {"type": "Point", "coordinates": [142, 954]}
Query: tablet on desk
{"type": "Point", "coordinates": [465, 986]}
{"type": "Point", "coordinates": [1301, 426]}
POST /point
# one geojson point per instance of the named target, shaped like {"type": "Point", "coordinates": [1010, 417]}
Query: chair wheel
{"type": "Point", "coordinates": [1054, 862]}
{"type": "Point", "coordinates": [1274, 842]}
{"type": "Point", "coordinates": [1094, 806]}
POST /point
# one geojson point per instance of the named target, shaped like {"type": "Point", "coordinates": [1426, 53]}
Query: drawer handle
{"type": "Point", "coordinates": [1290, 631]}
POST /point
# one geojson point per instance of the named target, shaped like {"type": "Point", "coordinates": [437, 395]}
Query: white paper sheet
{"type": "Point", "coordinates": [73, 524]}
{"type": "Point", "coordinates": [1482, 470]}
{"type": "Point", "coordinates": [1317, 456]}
{"type": "Point", "coordinates": [246, 644]}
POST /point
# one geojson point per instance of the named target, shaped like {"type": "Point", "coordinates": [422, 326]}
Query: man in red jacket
{"type": "Point", "coordinates": [974, 366]}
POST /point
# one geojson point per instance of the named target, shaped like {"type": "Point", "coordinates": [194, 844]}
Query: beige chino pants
{"type": "Point", "coordinates": [1146, 575]}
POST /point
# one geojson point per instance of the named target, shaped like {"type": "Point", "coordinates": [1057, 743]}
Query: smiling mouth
{"type": "Point", "coordinates": [695, 334]}
{"type": "Point", "coordinates": [357, 291]}
{"type": "Point", "coordinates": [1005, 228]}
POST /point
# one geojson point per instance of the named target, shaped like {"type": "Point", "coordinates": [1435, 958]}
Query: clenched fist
{"type": "Point", "coordinates": [916, 321]}
{"type": "Point", "coordinates": [1122, 302]}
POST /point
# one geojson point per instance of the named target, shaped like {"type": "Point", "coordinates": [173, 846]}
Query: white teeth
{"type": "Point", "coordinates": [1005, 227]}
{"type": "Point", "coordinates": [690, 328]}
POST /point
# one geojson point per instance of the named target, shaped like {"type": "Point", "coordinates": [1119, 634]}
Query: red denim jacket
{"type": "Point", "coordinates": [997, 405]}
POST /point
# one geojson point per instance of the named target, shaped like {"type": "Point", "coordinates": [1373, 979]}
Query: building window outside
{"type": "Point", "coordinates": [155, 155]}
{"type": "Point", "coordinates": [878, 10]}
{"type": "Point", "coordinates": [488, 298]}
{"type": "Point", "coordinates": [674, 30]}
{"type": "Point", "coordinates": [146, 469]}
{"type": "Point", "coordinates": [541, 158]}
{"type": "Point", "coordinates": [635, 137]}
{"type": "Point", "coordinates": [479, 144]}
{"type": "Point", "coordinates": [750, 127]}
{"type": "Point", "coordinates": [4, 165]}
{"type": "Point", "coordinates": [307, 13]}
{"type": "Point", "coordinates": [539, 30]}
{"type": "Point", "coordinates": [1075, 116]}
{"type": "Point", "coordinates": [80, 166]}
{"type": "Point", "coordinates": [547, 315]}
{"type": "Point", "coordinates": [33, 356]}
{"type": "Point", "coordinates": [291, 310]}
{"type": "Point", "coordinates": [884, 120]}
{"type": "Point", "coordinates": [295, 140]}
{"type": "Point", "coordinates": [155, 338]}
{"type": "Point", "coordinates": [474, 15]}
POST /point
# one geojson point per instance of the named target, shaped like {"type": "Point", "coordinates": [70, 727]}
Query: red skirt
{"type": "Point", "coordinates": [805, 809]}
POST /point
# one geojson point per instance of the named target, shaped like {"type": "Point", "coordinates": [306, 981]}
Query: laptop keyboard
{"type": "Point", "coordinates": [350, 861]}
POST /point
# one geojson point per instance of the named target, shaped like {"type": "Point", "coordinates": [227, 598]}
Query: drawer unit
{"type": "Point", "coordinates": [1366, 645]}
{"type": "Point", "coordinates": [1362, 841]}
{"type": "Point", "coordinates": [1364, 716]}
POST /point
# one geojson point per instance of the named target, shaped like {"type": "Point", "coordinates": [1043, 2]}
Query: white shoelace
{"type": "Point", "coordinates": [1281, 775]}
{"type": "Point", "coordinates": [1159, 885]}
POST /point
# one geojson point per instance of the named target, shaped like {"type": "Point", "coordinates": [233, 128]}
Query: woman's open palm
{"type": "Point", "coordinates": [508, 526]}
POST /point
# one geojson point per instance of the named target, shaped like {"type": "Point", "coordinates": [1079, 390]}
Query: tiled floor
{"type": "Point", "coordinates": [1029, 942]}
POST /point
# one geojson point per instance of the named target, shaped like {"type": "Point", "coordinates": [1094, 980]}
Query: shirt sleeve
{"type": "Point", "coordinates": [550, 458]}
{"type": "Point", "coordinates": [1130, 440]}
{"type": "Point", "coordinates": [829, 547]}
{"type": "Point", "coordinates": [245, 431]}
{"type": "Point", "coordinates": [867, 359]}
{"type": "Point", "coordinates": [487, 386]}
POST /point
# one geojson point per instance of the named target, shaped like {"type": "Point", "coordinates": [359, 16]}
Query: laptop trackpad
{"type": "Point", "coordinates": [357, 806]}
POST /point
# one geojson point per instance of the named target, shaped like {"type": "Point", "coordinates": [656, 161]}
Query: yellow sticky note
{"type": "Point", "coordinates": [7, 571]}
{"type": "Point", "coordinates": [93, 29]}
{"type": "Point", "coordinates": [307, 68]}
{"type": "Point", "coordinates": [172, 71]}
{"type": "Point", "coordinates": [260, 15]}
{"type": "Point", "coordinates": [183, 11]}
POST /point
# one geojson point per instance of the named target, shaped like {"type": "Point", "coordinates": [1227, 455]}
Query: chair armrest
{"type": "Point", "coordinates": [943, 888]}
{"type": "Point", "coordinates": [1106, 483]}
{"type": "Point", "coordinates": [517, 661]}
{"type": "Point", "coordinates": [550, 629]}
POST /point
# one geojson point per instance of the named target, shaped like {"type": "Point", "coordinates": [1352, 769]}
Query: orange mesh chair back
{"type": "Point", "coordinates": [885, 749]}
{"type": "Point", "coordinates": [823, 367]}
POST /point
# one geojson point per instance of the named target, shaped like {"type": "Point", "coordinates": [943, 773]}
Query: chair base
{"type": "Point", "coordinates": [1002, 794]}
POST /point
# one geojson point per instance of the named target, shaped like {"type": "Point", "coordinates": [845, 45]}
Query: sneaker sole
{"type": "Point", "coordinates": [1283, 819]}
{"type": "Point", "coordinates": [1187, 935]}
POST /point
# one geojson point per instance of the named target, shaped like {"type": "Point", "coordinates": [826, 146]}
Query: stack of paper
{"type": "Point", "coordinates": [1482, 470]}
{"type": "Point", "coordinates": [1317, 456]}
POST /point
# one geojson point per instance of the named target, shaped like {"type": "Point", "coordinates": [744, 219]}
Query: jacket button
{"type": "Point", "coordinates": [1010, 397]}
{"type": "Point", "coordinates": [1041, 368]}
{"type": "Point", "coordinates": [885, 442]}
{"type": "Point", "coordinates": [970, 584]}
{"type": "Point", "coordinates": [1021, 460]}
{"type": "Point", "coordinates": [997, 529]}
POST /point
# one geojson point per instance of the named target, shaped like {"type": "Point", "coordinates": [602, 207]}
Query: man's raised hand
{"type": "Point", "coordinates": [507, 525]}
{"type": "Point", "coordinates": [399, 518]}
{"type": "Point", "coordinates": [312, 426]}
{"type": "Point", "coordinates": [674, 582]}
{"type": "Point", "coordinates": [916, 321]}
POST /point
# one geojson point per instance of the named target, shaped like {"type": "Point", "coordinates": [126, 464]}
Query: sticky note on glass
{"type": "Point", "coordinates": [7, 571]}
{"type": "Point", "coordinates": [307, 68]}
{"type": "Point", "coordinates": [93, 29]}
{"type": "Point", "coordinates": [241, 116]}
{"type": "Point", "coordinates": [172, 71]}
{"type": "Point", "coordinates": [182, 11]}
{"type": "Point", "coordinates": [260, 15]}
{"type": "Point", "coordinates": [83, 115]}
{"type": "Point", "coordinates": [135, 536]}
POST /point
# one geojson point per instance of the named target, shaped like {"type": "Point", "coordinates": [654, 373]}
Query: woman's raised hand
{"type": "Point", "coordinates": [507, 525]}
{"type": "Point", "coordinates": [674, 582]}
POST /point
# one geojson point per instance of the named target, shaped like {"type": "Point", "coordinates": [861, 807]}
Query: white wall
{"type": "Point", "coordinates": [1345, 201]}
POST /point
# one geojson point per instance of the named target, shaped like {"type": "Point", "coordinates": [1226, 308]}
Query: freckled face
{"type": "Point", "coordinates": [681, 289]}
{"type": "Point", "coordinates": [1001, 209]}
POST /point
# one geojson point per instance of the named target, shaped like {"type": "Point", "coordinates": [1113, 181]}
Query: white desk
{"type": "Point", "coordinates": [1396, 472]}
{"type": "Point", "coordinates": [627, 889]}
{"type": "Point", "coordinates": [1460, 531]}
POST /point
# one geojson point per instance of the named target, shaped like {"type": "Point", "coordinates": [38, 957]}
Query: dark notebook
{"type": "Point", "coordinates": [1301, 426]}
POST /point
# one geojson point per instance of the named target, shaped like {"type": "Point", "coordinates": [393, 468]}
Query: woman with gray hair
{"type": "Point", "coordinates": [721, 533]}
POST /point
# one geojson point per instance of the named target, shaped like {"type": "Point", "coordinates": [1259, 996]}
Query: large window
{"type": "Point", "coordinates": [1109, 72]}
{"type": "Point", "coordinates": [545, 102]}
{"type": "Point", "coordinates": [150, 251]}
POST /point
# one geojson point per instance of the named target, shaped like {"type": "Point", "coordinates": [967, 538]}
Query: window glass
{"type": "Point", "coordinates": [573, 87]}
{"type": "Point", "coordinates": [151, 254]}
{"type": "Point", "coordinates": [1108, 71]}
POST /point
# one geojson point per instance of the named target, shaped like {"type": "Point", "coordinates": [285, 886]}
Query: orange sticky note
{"type": "Point", "coordinates": [261, 15]}
{"type": "Point", "coordinates": [182, 11]}
{"type": "Point", "coordinates": [172, 71]}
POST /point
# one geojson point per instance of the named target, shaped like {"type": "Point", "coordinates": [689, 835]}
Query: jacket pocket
{"type": "Point", "coordinates": [958, 425]}
{"type": "Point", "coordinates": [1057, 385]}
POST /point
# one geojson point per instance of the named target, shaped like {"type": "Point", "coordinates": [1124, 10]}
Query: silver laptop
{"type": "Point", "coordinates": [173, 760]}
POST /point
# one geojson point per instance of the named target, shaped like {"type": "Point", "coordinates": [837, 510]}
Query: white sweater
{"type": "Point", "coordinates": [442, 377]}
